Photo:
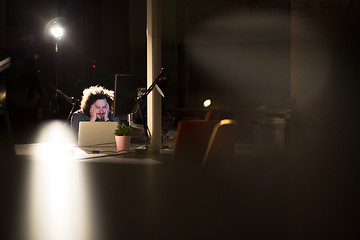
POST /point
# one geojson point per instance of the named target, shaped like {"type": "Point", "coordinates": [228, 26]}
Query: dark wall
{"type": "Point", "coordinates": [235, 52]}
{"type": "Point", "coordinates": [324, 82]}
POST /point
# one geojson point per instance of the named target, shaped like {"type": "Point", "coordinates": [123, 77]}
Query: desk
{"type": "Point", "coordinates": [130, 197]}
{"type": "Point", "coordinates": [122, 197]}
{"type": "Point", "coordinates": [73, 194]}
{"type": "Point", "coordinates": [99, 199]}
{"type": "Point", "coordinates": [104, 154]}
{"type": "Point", "coordinates": [266, 193]}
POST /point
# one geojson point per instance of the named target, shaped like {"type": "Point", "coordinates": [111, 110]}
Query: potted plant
{"type": "Point", "coordinates": [122, 137]}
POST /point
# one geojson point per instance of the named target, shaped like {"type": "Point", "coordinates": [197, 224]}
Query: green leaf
{"type": "Point", "coordinates": [123, 130]}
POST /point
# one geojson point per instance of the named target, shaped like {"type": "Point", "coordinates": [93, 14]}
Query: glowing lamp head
{"type": "Point", "coordinates": [57, 31]}
{"type": "Point", "coordinates": [207, 103]}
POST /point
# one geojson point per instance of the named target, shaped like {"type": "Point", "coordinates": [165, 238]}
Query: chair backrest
{"type": "Point", "coordinates": [191, 141]}
{"type": "Point", "coordinates": [221, 143]}
{"type": "Point", "coordinates": [208, 115]}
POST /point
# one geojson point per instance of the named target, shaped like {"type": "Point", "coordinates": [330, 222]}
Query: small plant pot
{"type": "Point", "coordinates": [122, 143]}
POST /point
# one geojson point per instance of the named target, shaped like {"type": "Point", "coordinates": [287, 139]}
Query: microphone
{"type": "Point", "coordinates": [161, 82]}
{"type": "Point", "coordinates": [162, 76]}
{"type": "Point", "coordinates": [75, 99]}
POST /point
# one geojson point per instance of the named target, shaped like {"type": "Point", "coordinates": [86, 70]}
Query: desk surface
{"type": "Point", "coordinates": [253, 199]}
{"type": "Point", "coordinates": [104, 154]}
{"type": "Point", "coordinates": [125, 196]}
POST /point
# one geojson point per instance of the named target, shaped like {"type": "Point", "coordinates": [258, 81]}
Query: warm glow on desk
{"type": "Point", "coordinates": [58, 199]}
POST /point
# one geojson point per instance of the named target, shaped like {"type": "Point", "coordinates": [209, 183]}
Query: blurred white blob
{"type": "Point", "coordinates": [57, 201]}
{"type": "Point", "coordinates": [56, 142]}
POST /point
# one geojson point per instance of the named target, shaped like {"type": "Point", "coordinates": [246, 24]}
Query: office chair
{"type": "Point", "coordinates": [191, 141]}
{"type": "Point", "coordinates": [221, 144]}
{"type": "Point", "coordinates": [209, 115]}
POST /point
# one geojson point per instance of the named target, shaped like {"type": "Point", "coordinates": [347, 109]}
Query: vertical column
{"type": "Point", "coordinates": [153, 69]}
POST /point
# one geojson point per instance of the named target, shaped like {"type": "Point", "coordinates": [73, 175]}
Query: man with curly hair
{"type": "Point", "coordinates": [96, 106]}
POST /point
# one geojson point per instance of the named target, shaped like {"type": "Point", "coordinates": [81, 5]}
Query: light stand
{"type": "Point", "coordinates": [57, 31]}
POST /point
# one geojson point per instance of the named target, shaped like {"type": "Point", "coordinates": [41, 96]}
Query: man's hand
{"type": "Point", "coordinates": [92, 113]}
{"type": "Point", "coordinates": [107, 111]}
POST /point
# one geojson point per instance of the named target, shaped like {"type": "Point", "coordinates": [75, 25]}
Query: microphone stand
{"type": "Point", "coordinates": [73, 101]}
{"type": "Point", "coordinates": [139, 100]}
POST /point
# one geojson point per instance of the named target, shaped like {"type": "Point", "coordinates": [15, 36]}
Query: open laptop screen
{"type": "Point", "coordinates": [96, 133]}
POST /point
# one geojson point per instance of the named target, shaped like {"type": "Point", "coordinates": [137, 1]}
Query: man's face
{"type": "Point", "coordinates": [100, 108]}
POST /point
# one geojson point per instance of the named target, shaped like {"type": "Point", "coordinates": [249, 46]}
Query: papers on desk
{"type": "Point", "coordinates": [103, 154]}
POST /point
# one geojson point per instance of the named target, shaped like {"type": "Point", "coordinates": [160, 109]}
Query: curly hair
{"type": "Point", "coordinates": [94, 93]}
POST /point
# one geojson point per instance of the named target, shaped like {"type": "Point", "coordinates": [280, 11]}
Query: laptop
{"type": "Point", "coordinates": [96, 133]}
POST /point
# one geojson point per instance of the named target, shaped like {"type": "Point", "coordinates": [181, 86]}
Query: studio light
{"type": "Point", "coordinates": [54, 32]}
{"type": "Point", "coordinates": [207, 103]}
{"type": "Point", "coordinates": [57, 31]}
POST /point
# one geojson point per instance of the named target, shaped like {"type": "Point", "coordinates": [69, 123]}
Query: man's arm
{"type": "Point", "coordinates": [75, 119]}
